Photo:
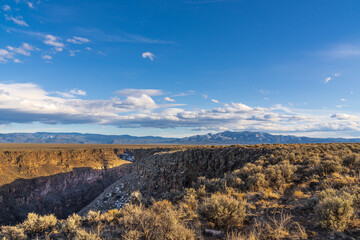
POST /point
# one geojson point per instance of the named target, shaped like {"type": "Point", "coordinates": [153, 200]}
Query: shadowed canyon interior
{"type": "Point", "coordinates": [59, 179]}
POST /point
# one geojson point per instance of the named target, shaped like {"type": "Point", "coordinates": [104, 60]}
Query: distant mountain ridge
{"type": "Point", "coordinates": [226, 137]}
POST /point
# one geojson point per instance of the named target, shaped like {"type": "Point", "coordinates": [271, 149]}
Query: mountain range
{"type": "Point", "coordinates": [226, 137]}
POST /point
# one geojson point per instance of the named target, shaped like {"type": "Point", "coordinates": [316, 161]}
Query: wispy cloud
{"type": "Point", "coordinates": [168, 99]}
{"type": "Point", "coordinates": [139, 92]}
{"type": "Point", "coordinates": [6, 8]}
{"type": "Point", "coordinates": [46, 57]}
{"type": "Point", "coordinates": [332, 77]}
{"type": "Point", "coordinates": [24, 49]}
{"type": "Point", "coordinates": [10, 52]}
{"type": "Point", "coordinates": [342, 51]}
{"type": "Point", "coordinates": [72, 53]}
{"type": "Point", "coordinates": [17, 20]}
{"type": "Point", "coordinates": [100, 36]}
{"type": "Point", "coordinates": [78, 40]}
{"type": "Point", "coordinates": [72, 93]}
{"type": "Point", "coordinates": [54, 41]}
{"type": "Point", "coordinates": [215, 101]}
{"type": "Point", "coordinates": [149, 55]}
{"type": "Point", "coordinates": [184, 94]}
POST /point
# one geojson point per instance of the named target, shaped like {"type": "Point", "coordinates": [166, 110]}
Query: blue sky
{"type": "Point", "coordinates": [179, 68]}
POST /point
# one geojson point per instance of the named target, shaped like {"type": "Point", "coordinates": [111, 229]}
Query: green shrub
{"type": "Point", "coordinates": [223, 211]}
{"type": "Point", "coordinates": [335, 209]}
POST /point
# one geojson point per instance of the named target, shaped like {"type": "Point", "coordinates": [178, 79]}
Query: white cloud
{"type": "Point", "coordinates": [329, 78]}
{"type": "Point", "coordinates": [24, 49]}
{"type": "Point", "coordinates": [205, 96]}
{"type": "Point", "coordinates": [343, 100]}
{"type": "Point", "coordinates": [78, 40]}
{"type": "Point", "coordinates": [11, 52]}
{"type": "Point", "coordinates": [78, 92]}
{"type": "Point", "coordinates": [72, 93]}
{"type": "Point", "coordinates": [46, 57]}
{"type": "Point", "coordinates": [6, 8]}
{"type": "Point", "coordinates": [149, 55]}
{"type": "Point", "coordinates": [343, 116]}
{"type": "Point", "coordinates": [214, 100]}
{"type": "Point", "coordinates": [54, 41]}
{"type": "Point", "coordinates": [26, 103]}
{"type": "Point", "coordinates": [73, 52]}
{"type": "Point", "coordinates": [5, 55]}
{"type": "Point", "coordinates": [167, 99]}
{"type": "Point", "coordinates": [30, 4]}
{"type": "Point", "coordinates": [88, 48]}
{"type": "Point", "coordinates": [139, 92]}
{"type": "Point", "coordinates": [16, 20]}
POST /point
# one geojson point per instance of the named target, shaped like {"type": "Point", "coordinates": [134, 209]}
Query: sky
{"type": "Point", "coordinates": [180, 67]}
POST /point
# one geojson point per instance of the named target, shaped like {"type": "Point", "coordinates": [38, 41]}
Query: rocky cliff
{"type": "Point", "coordinates": [163, 172]}
{"type": "Point", "coordinates": [56, 179]}
{"type": "Point", "coordinates": [159, 172]}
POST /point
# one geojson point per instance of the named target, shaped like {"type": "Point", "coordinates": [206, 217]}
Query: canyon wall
{"type": "Point", "coordinates": [162, 172]}
{"type": "Point", "coordinates": [59, 181]}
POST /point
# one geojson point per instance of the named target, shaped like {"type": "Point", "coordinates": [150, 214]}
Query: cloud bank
{"type": "Point", "coordinates": [28, 103]}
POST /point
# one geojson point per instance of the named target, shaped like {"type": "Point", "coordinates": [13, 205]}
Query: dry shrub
{"type": "Point", "coordinates": [352, 161]}
{"type": "Point", "coordinates": [12, 233]}
{"type": "Point", "coordinates": [72, 223]}
{"type": "Point", "coordinates": [160, 221]}
{"type": "Point", "coordinates": [300, 194]}
{"type": "Point", "coordinates": [256, 182]}
{"type": "Point", "coordinates": [332, 164]}
{"type": "Point", "coordinates": [279, 226]}
{"type": "Point", "coordinates": [280, 174]}
{"type": "Point", "coordinates": [93, 216]}
{"type": "Point", "coordinates": [132, 235]}
{"type": "Point", "coordinates": [268, 194]}
{"type": "Point", "coordinates": [135, 197]}
{"type": "Point", "coordinates": [257, 177]}
{"type": "Point", "coordinates": [188, 207]}
{"type": "Point", "coordinates": [335, 209]}
{"type": "Point", "coordinates": [223, 211]}
{"type": "Point", "coordinates": [110, 216]}
{"type": "Point", "coordinates": [212, 185]}
{"type": "Point", "coordinates": [38, 224]}
{"type": "Point", "coordinates": [82, 234]}
{"type": "Point", "coordinates": [233, 179]}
